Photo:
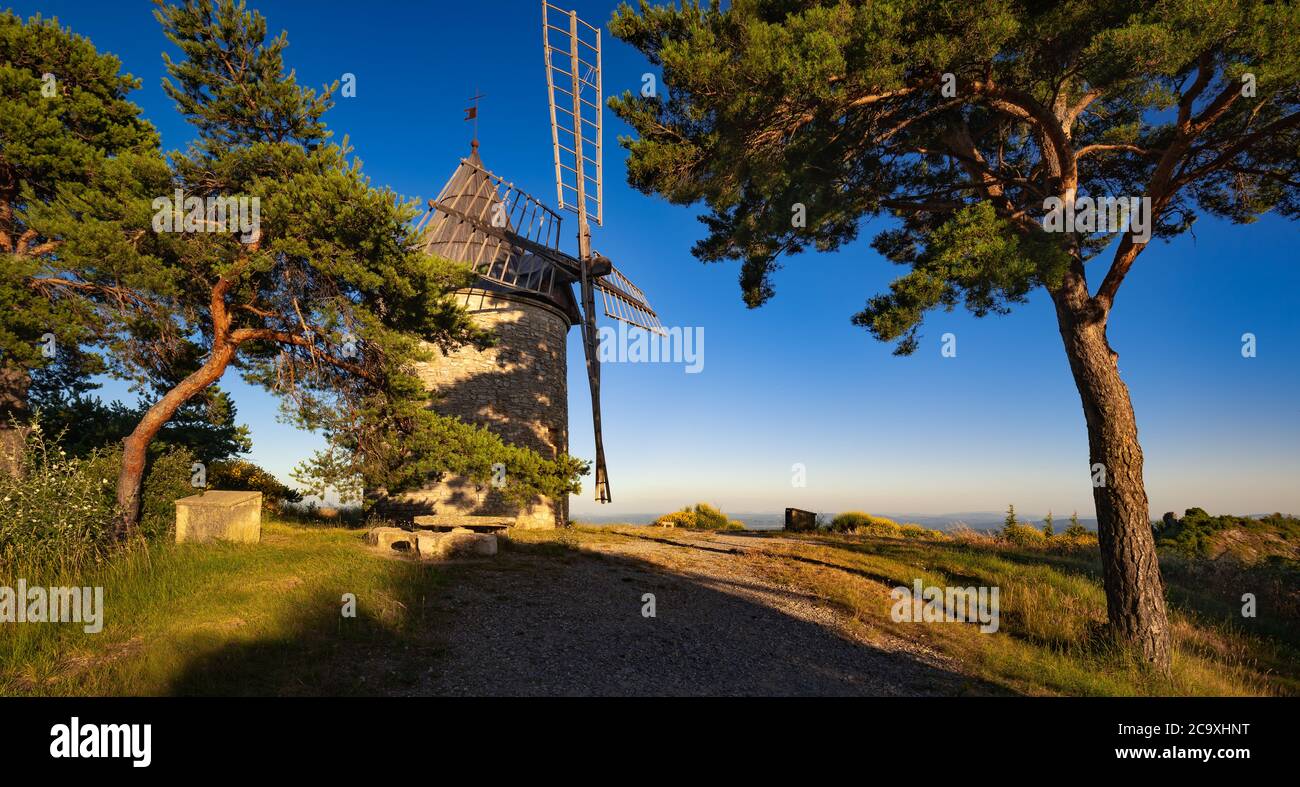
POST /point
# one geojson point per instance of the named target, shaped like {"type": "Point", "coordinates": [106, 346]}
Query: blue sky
{"type": "Point", "coordinates": [794, 381]}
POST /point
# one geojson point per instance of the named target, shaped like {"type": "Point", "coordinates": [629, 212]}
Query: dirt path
{"type": "Point", "coordinates": [533, 622]}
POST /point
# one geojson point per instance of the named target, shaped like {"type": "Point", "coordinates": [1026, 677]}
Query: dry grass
{"type": "Point", "coordinates": [1052, 637]}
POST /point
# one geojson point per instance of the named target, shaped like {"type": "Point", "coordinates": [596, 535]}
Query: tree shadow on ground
{"type": "Point", "coordinates": [543, 619]}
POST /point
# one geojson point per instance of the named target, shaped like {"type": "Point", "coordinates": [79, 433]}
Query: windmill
{"type": "Point", "coordinates": [524, 281]}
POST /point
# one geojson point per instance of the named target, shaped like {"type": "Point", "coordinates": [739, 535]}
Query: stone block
{"type": "Point", "coordinates": [438, 546]}
{"type": "Point", "coordinates": [228, 516]}
{"type": "Point", "coordinates": [390, 538]}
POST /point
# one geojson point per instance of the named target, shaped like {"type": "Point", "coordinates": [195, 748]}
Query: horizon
{"type": "Point", "coordinates": [794, 383]}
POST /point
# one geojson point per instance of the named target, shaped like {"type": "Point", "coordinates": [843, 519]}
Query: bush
{"type": "Point", "coordinates": [1198, 534]}
{"type": "Point", "coordinates": [1024, 535]}
{"type": "Point", "coordinates": [58, 516]}
{"type": "Point", "coordinates": [913, 530]}
{"type": "Point", "coordinates": [683, 518]}
{"type": "Point", "coordinates": [866, 524]}
{"type": "Point", "coordinates": [1075, 539]}
{"type": "Point", "coordinates": [703, 516]}
{"type": "Point", "coordinates": [239, 475]}
{"type": "Point", "coordinates": [167, 479]}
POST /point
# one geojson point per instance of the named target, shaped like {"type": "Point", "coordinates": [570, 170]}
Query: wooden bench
{"type": "Point", "coordinates": [474, 523]}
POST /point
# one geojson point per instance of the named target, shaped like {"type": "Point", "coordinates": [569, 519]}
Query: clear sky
{"type": "Point", "coordinates": [794, 381]}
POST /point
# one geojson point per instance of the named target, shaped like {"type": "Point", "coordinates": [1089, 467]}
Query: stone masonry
{"type": "Point", "coordinates": [518, 389]}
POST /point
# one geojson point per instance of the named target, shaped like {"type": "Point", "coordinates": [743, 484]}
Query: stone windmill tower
{"type": "Point", "coordinates": [525, 291]}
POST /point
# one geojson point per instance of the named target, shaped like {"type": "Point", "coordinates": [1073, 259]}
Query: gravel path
{"type": "Point", "coordinates": [531, 622]}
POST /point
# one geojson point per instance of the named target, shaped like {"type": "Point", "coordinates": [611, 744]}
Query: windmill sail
{"type": "Point", "coordinates": [572, 50]}
{"type": "Point", "coordinates": [624, 301]}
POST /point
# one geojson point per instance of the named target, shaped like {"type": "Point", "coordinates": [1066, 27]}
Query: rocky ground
{"type": "Point", "coordinates": [544, 620]}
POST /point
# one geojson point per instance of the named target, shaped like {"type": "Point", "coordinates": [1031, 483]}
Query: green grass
{"type": "Point", "coordinates": [226, 619]}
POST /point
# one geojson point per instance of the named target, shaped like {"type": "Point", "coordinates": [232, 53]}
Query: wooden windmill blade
{"type": "Point", "coordinates": [571, 49]}
{"type": "Point", "coordinates": [624, 301]}
{"type": "Point", "coordinates": [573, 81]}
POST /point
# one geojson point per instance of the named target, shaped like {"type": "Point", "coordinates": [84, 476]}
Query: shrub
{"type": "Point", "coordinates": [167, 480]}
{"type": "Point", "coordinates": [683, 518]}
{"type": "Point", "coordinates": [913, 530]}
{"type": "Point", "coordinates": [1024, 535]}
{"type": "Point", "coordinates": [58, 515]}
{"type": "Point", "coordinates": [239, 475]}
{"type": "Point", "coordinates": [703, 516]}
{"type": "Point", "coordinates": [850, 521]}
{"type": "Point", "coordinates": [1071, 539]}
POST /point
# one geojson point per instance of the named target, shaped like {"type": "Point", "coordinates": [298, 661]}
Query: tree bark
{"type": "Point", "coordinates": [135, 446]}
{"type": "Point", "coordinates": [14, 415]}
{"type": "Point", "coordinates": [1135, 598]}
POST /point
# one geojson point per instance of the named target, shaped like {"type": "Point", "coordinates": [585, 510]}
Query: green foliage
{"type": "Point", "coordinates": [1076, 530]}
{"type": "Point", "coordinates": [326, 303]}
{"type": "Point", "coordinates": [56, 518]}
{"type": "Point", "coordinates": [1196, 533]}
{"type": "Point", "coordinates": [842, 109]}
{"type": "Point", "coordinates": [167, 479]}
{"type": "Point", "coordinates": [913, 530]}
{"type": "Point", "coordinates": [702, 517]}
{"type": "Point", "coordinates": [241, 475]}
{"type": "Point", "coordinates": [864, 524]}
{"type": "Point", "coordinates": [1048, 522]}
{"type": "Point", "coordinates": [82, 146]}
{"type": "Point", "coordinates": [859, 521]}
{"type": "Point", "coordinates": [59, 395]}
{"type": "Point", "coordinates": [1023, 535]}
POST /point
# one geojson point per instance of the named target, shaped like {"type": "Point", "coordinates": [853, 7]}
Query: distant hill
{"type": "Point", "coordinates": [769, 520]}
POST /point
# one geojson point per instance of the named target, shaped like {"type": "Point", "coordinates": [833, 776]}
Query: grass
{"type": "Point", "coordinates": [1052, 637]}
{"type": "Point", "coordinates": [224, 619]}
{"type": "Point", "coordinates": [228, 619]}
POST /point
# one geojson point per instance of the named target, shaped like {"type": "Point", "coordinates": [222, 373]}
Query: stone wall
{"type": "Point", "coordinates": [518, 389]}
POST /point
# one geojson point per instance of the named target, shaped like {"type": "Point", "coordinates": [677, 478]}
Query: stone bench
{"type": "Point", "coordinates": [472, 523]}
{"type": "Point", "coordinates": [434, 545]}
{"type": "Point", "coordinates": [218, 515]}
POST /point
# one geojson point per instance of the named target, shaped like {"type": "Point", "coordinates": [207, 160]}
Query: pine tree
{"type": "Point", "coordinates": [1009, 523]}
{"type": "Point", "coordinates": [317, 295]}
{"type": "Point", "coordinates": [1075, 529]}
{"type": "Point", "coordinates": [67, 132]}
{"type": "Point", "coordinates": [1047, 525]}
{"type": "Point", "coordinates": [972, 124]}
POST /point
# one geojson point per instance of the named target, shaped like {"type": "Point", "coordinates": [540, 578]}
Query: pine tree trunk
{"type": "Point", "coordinates": [1135, 599]}
{"type": "Point", "coordinates": [135, 446]}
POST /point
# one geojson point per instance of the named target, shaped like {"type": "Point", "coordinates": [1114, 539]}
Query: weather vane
{"type": "Point", "coordinates": [471, 113]}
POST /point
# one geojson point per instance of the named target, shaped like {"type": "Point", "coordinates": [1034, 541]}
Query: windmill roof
{"type": "Point", "coordinates": [471, 191]}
